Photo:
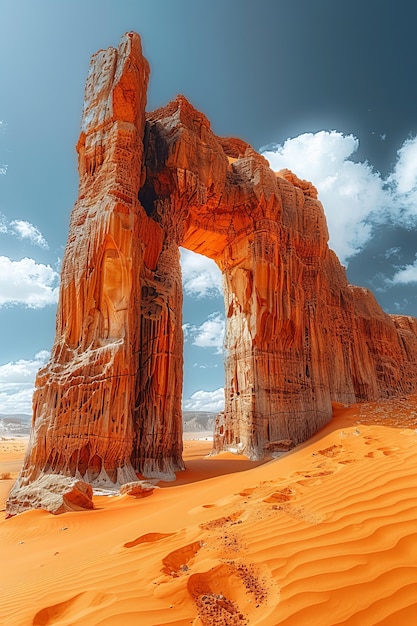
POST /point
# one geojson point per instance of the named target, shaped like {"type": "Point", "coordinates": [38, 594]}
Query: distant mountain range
{"type": "Point", "coordinates": [195, 421]}
{"type": "Point", "coordinates": [18, 425]}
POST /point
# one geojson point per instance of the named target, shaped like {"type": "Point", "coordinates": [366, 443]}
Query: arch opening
{"type": "Point", "coordinates": [203, 327]}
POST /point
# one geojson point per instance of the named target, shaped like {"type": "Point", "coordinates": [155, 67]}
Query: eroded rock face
{"type": "Point", "coordinates": [298, 336]}
{"type": "Point", "coordinates": [54, 493]}
{"type": "Point", "coordinates": [138, 489]}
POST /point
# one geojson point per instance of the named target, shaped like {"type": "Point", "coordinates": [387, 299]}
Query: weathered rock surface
{"type": "Point", "coordinates": [137, 489]}
{"type": "Point", "coordinates": [298, 336]}
{"type": "Point", "coordinates": [284, 445]}
{"type": "Point", "coordinates": [54, 493]}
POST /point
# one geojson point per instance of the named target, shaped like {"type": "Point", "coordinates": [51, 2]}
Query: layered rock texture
{"type": "Point", "coordinates": [298, 336]}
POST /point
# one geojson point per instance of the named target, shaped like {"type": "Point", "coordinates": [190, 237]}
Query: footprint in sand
{"type": "Point", "coordinates": [246, 493]}
{"type": "Point", "coordinates": [369, 440]}
{"type": "Point", "coordinates": [79, 605]}
{"type": "Point", "coordinates": [282, 501]}
{"type": "Point", "coordinates": [283, 495]}
{"type": "Point", "coordinates": [219, 522]}
{"type": "Point", "coordinates": [389, 451]}
{"type": "Point", "coordinates": [230, 540]}
{"type": "Point", "coordinates": [313, 478]}
{"type": "Point", "coordinates": [299, 513]}
{"type": "Point", "coordinates": [233, 593]}
{"type": "Point", "coordinates": [176, 563]}
{"type": "Point", "coordinates": [148, 538]}
{"type": "Point", "coordinates": [331, 451]}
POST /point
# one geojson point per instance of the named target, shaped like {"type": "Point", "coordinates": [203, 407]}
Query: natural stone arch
{"type": "Point", "coordinates": [259, 228]}
{"type": "Point", "coordinates": [108, 403]}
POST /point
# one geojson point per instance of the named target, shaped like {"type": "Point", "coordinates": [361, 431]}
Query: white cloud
{"type": "Point", "coordinates": [26, 230]}
{"type": "Point", "coordinates": [22, 371]}
{"type": "Point", "coordinates": [392, 252]}
{"type": "Point", "coordinates": [403, 183]}
{"type": "Point", "coordinates": [18, 402]}
{"type": "Point", "coordinates": [404, 175]}
{"type": "Point", "coordinates": [354, 195]}
{"type": "Point", "coordinates": [404, 276]}
{"type": "Point", "coordinates": [210, 334]}
{"type": "Point", "coordinates": [28, 283]}
{"type": "Point", "coordinates": [350, 192]}
{"type": "Point", "coordinates": [205, 366]}
{"type": "Point", "coordinates": [200, 275]}
{"type": "Point", "coordinates": [17, 383]}
{"type": "Point", "coordinates": [201, 400]}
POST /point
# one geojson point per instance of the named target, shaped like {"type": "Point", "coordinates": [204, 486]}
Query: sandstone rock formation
{"type": "Point", "coordinates": [54, 493]}
{"type": "Point", "coordinates": [138, 489]}
{"type": "Point", "coordinates": [298, 336]}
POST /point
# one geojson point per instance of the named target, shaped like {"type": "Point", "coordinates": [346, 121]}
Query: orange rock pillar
{"type": "Point", "coordinates": [85, 404]}
{"type": "Point", "coordinates": [272, 389]}
{"type": "Point", "coordinates": [157, 414]}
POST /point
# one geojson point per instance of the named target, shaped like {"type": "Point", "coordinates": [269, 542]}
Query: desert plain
{"type": "Point", "coordinates": [324, 535]}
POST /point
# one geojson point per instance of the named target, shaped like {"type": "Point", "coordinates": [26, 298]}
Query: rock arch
{"type": "Point", "coordinates": [108, 404]}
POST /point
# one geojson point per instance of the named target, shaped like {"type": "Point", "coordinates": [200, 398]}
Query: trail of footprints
{"type": "Point", "coordinates": [217, 593]}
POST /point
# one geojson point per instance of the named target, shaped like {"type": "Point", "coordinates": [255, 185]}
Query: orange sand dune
{"type": "Point", "coordinates": [12, 451]}
{"type": "Point", "coordinates": [324, 535]}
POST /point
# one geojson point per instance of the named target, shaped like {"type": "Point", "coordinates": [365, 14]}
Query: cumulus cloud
{"type": "Point", "coordinates": [23, 230]}
{"type": "Point", "coordinates": [22, 372]}
{"type": "Point", "coordinates": [210, 334]}
{"type": "Point", "coordinates": [202, 400]}
{"type": "Point", "coordinates": [17, 379]}
{"type": "Point", "coordinates": [351, 193]}
{"type": "Point", "coordinates": [404, 175]}
{"type": "Point", "coordinates": [404, 276]}
{"type": "Point", "coordinates": [26, 282]}
{"type": "Point", "coordinates": [354, 195]}
{"type": "Point", "coordinates": [18, 402]}
{"type": "Point", "coordinates": [403, 182]}
{"type": "Point", "coordinates": [26, 230]}
{"type": "Point", "coordinates": [200, 275]}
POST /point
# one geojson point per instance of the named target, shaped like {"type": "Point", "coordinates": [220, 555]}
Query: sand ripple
{"type": "Point", "coordinates": [326, 535]}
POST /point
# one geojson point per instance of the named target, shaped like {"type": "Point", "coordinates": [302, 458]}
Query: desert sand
{"type": "Point", "coordinates": [324, 535]}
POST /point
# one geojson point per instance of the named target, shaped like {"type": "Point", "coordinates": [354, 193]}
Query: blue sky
{"type": "Point", "coordinates": [325, 88]}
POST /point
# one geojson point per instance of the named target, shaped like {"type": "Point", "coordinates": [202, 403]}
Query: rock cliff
{"type": "Point", "coordinates": [298, 336]}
